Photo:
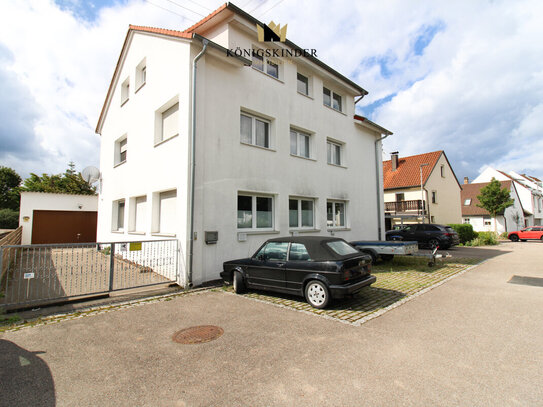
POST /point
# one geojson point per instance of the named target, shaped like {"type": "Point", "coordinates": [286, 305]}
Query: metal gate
{"type": "Point", "coordinates": [42, 274]}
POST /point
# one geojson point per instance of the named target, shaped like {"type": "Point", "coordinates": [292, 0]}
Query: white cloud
{"type": "Point", "coordinates": [474, 91]}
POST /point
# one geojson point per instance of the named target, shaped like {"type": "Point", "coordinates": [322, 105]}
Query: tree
{"type": "Point", "coordinates": [71, 182]}
{"type": "Point", "coordinates": [9, 218]}
{"type": "Point", "coordinates": [494, 199]}
{"type": "Point", "coordinates": [9, 189]}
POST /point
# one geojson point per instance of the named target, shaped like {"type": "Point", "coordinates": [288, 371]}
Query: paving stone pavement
{"type": "Point", "coordinates": [397, 282]}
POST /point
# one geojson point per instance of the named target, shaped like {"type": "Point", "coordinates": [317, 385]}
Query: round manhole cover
{"type": "Point", "coordinates": [197, 334]}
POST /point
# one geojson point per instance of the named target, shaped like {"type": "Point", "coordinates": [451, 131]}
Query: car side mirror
{"type": "Point", "coordinates": [260, 257]}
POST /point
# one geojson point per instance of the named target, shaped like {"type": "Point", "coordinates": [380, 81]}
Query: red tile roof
{"type": "Point", "coordinates": [205, 19]}
{"type": "Point", "coordinates": [408, 172]}
{"type": "Point", "coordinates": [173, 33]}
{"type": "Point", "coordinates": [470, 191]}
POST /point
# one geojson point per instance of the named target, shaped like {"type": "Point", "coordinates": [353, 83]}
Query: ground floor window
{"type": "Point", "coordinates": [466, 220]}
{"type": "Point", "coordinates": [487, 221]}
{"type": "Point", "coordinates": [301, 213]}
{"type": "Point", "coordinates": [255, 212]}
{"type": "Point", "coordinates": [117, 221]}
{"type": "Point", "coordinates": [335, 213]}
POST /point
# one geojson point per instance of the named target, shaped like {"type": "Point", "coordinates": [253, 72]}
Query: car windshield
{"type": "Point", "coordinates": [342, 248]}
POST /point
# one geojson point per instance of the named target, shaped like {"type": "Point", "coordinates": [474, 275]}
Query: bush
{"type": "Point", "coordinates": [504, 235]}
{"type": "Point", "coordinates": [484, 239]}
{"type": "Point", "coordinates": [465, 232]}
{"type": "Point", "coordinates": [9, 219]}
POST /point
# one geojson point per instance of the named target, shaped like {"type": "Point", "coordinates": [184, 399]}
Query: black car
{"type": "Point", "coordinates": [315, 267]}
{"type": "Point", "coordinates": [427, 235]}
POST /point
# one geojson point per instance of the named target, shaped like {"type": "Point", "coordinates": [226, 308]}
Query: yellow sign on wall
{"type": "Point", "coordinates": [135, 247]}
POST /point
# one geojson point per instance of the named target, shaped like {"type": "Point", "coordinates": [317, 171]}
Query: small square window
{"type": "Point", "coordinates": [335, 214]}
{"type": "Point", "coordinates": [303, 84]}
{"type": "Point", "coordinates": [332, 99]}
{"type": "Point", "coordinates": [272, 69]}
{"type": "Point", "coordinates": [299, 143]}
{"type": "Point", "coordinates": [301, 213]}
{"type": "Point", "coordinates": [467, 202]}
{"type": "Point", "coordinates": [254, 130]}
{"type": "Point", "coordinates": [466, 220]}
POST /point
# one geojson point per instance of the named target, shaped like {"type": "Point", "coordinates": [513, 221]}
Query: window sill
{"type": "Point", "coordinates": [139, 87]}
{"type": "Point", "coordinates": [119, 164]}
{"type": "Point", "coordinates": [302, 157]}
{"type": "Point", "coordinates": [136, 233]}
{"type": "Point", "coordinates": [336, 165]}
{"type": "Point", "coordinates": [163, 234]}
{"type": "Point", "coordinates": [119, 232]}
{"type": "Point", "coordinates": [338, 229]}
{"type": "Point", "coordinates": [258, 232]}
{"type": "Point", "coordinates": [254, 145]}
{"type": "Point", "coordinates": [268, 75]}
{"type": "Point", "coordinates": [307, 96]}
{"type": "Point", "coordinates": [335, 110]}
{"type": "Point", "coordinates": [163, 141]}
{"type": "Point", "coordinates": [304, 230]}
{"type": "Point", "coordinates": [124, 102]}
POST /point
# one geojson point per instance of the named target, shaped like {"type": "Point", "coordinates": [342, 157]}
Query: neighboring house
{"type": "Point", "coordinates": [278, 148]}
{"type": "Point", "coordinates": [58, 218]}
{"type": "Point", "coordinates": [511, 219]}
{"type": "Point", "coordinates": [421, 189]}
{"type": "Point", "coordinates": [529, 189]}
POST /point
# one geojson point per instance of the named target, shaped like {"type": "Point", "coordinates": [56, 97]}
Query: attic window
{"type": "Point", "coordinates": [141, 74]}
{"type": "Point", "coordinates": [467, 202]}
{"type": "Point", "coordinates": [125, 91]}
{"type": "Point", "coordinates": [443, 171]}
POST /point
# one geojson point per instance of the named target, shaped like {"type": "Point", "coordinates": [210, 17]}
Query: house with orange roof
{"type": "Point", "coordinates": [510, 220]}
{"type": "Point", "coordinates": [529, 190]}
{"type": "Point", "coordinates": [226, 134]}
{"type": "Point", "coordinates": [420, 188]}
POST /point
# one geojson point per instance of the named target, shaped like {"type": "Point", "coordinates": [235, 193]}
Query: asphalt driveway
{"type": "Point", "coordinates": [475, 340]}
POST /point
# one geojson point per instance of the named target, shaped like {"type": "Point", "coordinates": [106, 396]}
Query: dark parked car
{"type": "Point", "coordinates": [426, 235]}
{"type": "Point", "coordinates": [315, 267]}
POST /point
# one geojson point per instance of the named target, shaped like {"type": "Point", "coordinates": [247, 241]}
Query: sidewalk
{"type": "Point", "coordinates": [476, 340]}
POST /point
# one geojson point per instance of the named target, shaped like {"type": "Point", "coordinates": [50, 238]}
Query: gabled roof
{"type": "Point", "coordinates": [407, 174]}
{"type": "Point", "coordinates": [470, 191]}
{"type": "Point", "coordinates": [373, 125]}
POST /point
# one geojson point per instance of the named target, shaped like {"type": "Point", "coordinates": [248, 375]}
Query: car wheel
{"type": "Point", "coordinates": [541, 237]}
{"type": "Point", "coordinates": [237, 282]}
{"type": "Point", "coordinates": [316, 294]}
{"type": "Point", "coordinates": [387, 257]}
{"type": "Point", "coordinates": [371, 254]}
{"type": "Point", "coordinates": [513, 238]}
{"type": "Point", "coordinates": [433, 243]}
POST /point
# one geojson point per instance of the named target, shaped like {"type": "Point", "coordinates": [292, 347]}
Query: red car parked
{"type": "Point", "coordinates": [532, 233]}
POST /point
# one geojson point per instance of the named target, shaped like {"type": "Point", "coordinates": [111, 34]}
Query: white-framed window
{"type": "Point", "coordinates": [467, 202]}
{"type": "Point", "coordinates": [121, 148]}
{"type": "Point", "coordinates": [138, 214]}
{"type": "Point", "coordinates": [300, 143]}
{"type": "Point", "coordinates": [466, 220]}
{"type": "Point", "coordinates": [487, 220]}
{"type": "Point", "coordinates": [167, 212]}
{"type": "Point", "coordinates": [336, 216]}
{"type": "Point", "coordinates": [167, 121]}
{"type": "Point", "coordinates": [265, 64]}
{"type": "Point", "coordinates": [434, 197]}
{"type": "Point", "coordinates": [125, 91]}
{"type": "Point", "coordinates": [301, 213]}
{"type": "Point", "coordinates": [255, 211]}
{"type": "Point", "coordinates": [254, 130]}
{"type": "Point", "coordinates": [334, 153]}
{"type": "Point", "coordinates": [303, 84]}
{"type": "Point", "coordinates": [117, 218]}
{"type": "Point", "coordinates": [332, 99]}
{"type": "Point", "coordinates": [141, 74]}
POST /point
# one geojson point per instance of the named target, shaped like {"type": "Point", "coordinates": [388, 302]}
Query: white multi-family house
{"type": "Point", "coordinates": [511, 219]}
{"type": "Point", "coordinates": [529, 189]}
{"type": "Point", "coordinates": [222, 141]}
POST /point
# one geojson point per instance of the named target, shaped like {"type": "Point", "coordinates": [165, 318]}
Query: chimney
{"type": "Point", "coordinates": [394, 160]}
{"type": "Point", "coordinates": [466, 180]}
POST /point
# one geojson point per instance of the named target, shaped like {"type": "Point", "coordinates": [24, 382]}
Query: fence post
{"type": "Point", "coordinates": [111, 266]}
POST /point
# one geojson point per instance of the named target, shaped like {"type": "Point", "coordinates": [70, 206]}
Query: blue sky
{"type": "Point", "coordinates": [464, 76]}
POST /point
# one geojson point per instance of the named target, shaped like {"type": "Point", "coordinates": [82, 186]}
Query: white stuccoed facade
{"type": "Point", "coordinates": [226, 167]}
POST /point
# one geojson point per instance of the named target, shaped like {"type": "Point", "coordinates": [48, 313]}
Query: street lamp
{"type": "Point", "coordinates": [422, 191]}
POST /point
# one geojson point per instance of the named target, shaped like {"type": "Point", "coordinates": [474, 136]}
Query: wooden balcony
{"type": "Point", "coordinates": [414, 207]}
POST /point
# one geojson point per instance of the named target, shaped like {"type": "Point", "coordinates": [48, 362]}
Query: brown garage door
{"type": "Point", "coordinates": [63, 227]}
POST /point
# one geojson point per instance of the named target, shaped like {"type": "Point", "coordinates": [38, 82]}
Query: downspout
{"type": "Point", "coordinates": [193, 165]}
{"type": "Point", "coordinates": [377, 182]}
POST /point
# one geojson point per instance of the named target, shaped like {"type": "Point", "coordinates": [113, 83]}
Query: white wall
{"type": "Point", "coordinates": [31, 201]}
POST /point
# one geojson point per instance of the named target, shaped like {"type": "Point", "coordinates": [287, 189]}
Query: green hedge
{"type": "Point", "coordinates": [465, 232]}
{"type": "Point", "coordinates": [484, 239]}
{"type": "Point", "coordinates": [9, 219]}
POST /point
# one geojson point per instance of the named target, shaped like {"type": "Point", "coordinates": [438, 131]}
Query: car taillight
{"type": "Point", "coordinates": [347, 275]}
{"type": "Point", "coordinates": [448, 234]}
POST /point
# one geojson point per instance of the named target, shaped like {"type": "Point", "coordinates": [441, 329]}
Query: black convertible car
{"type": "Point", "coordinates": [315, 267]}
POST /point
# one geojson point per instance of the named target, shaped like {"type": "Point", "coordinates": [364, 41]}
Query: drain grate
{"type": "Point", "coordinates": [532, 281]}
{"type": "Point", "coordinates": [197, 334]}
